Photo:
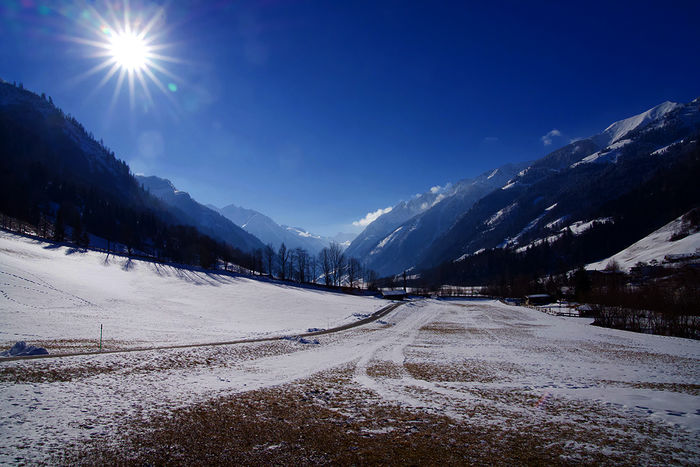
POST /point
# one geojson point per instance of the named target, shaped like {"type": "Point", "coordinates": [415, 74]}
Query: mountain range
{"type": "Point", "coordinates": [53, 173]}
{"type": "Point", "coordinates": [391, 243]}
{"type": "Point", "coordinates": [225, 223]}
{"type": "Point", "coordinates": [272, 233]}
{"type": "Point", "coordinates": [193, 213]}
{"type": "Point", "coordinates": [576, 205]}
{"type": "Point", "coordinates": [517, 206]}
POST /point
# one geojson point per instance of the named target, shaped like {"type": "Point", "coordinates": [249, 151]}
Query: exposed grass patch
{"type": "Point", "coordinates": [329, 420]}
{"type": "Point", "coordinates": [685, 388]}
{"type": "Point", "coordinates": [462, 371]}
{"type": "Point", "coordinates": [444, 328]}
{"type": "Point", "coordinates": [384, 369]}
{"type": "Point", "coordinates": [45, 373]}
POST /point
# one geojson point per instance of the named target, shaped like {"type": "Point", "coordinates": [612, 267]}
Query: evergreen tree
{"type": "Point", "coordinates": [59, 230]}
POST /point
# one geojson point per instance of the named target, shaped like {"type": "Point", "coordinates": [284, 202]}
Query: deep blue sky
{"type": "Point", "coordinates": [316, 113]}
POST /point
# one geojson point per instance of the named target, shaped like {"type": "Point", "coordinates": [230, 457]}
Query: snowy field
{"type": "Point", "coordinates": [435, 381]}
{"type": "Point", "coordinates": [58, 297]}
{"type": "Point", "coordinates": [576, 391]}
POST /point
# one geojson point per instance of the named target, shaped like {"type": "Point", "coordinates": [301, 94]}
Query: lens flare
{"type": "Point", "coordinates": [131, 48]}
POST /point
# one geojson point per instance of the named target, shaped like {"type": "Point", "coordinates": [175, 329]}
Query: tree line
{"type": "Point", "coordinates": [330, 267]}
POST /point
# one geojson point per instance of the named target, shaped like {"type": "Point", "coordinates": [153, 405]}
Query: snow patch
{"type": "Point", "coordinates": [609, 154]}
{"type": "Point", "coordinates": [496, 217]}
{"type": "Point", "coordinates": [385, 241]}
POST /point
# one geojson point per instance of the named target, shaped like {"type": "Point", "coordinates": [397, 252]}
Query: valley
{"type": "Point", "coordinates": [349, 233]}
{"type": "Point", "coordinates": [434, 380]}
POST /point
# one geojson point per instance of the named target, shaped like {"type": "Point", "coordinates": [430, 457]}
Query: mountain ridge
{"type": "Point", "coordinates": [198, 215]}
{"type": "Point", "coordinates": [507, 216]}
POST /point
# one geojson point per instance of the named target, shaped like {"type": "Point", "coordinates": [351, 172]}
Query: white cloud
{"type": "Point", "coordinates": [440, 189]}
{"type": "Point", "coordinates": [371, 217]}
{"type": "Point", "coordinates": [547, 139]}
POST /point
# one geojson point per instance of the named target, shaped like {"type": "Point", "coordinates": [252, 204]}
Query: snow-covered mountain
{"type": "Point", "coordinates": [207, 220]}
{"type": "Point", "coordinates": [522, 206]}
{"type": "Point", "coordinates": [585, 184]}
{"type": "Point", "coordinates": [618, 130]}
{"type": "Point", "coordinates": [394, 240]}
{"type": "Point", "coordinates": [388, 222]}
{"type": "Point", "coordinates": [270, 232]}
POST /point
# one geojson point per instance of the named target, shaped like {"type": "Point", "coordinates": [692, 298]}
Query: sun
{"type": "Point", "coordinates": [129, 44]}
{"type": "Point", "coordinates": [129, 51]}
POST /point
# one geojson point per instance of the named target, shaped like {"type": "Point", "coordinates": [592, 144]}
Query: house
{"type": "Point", "coordinates": [537, 299]}
{"type": "Point", "coordinates": [394, 294]}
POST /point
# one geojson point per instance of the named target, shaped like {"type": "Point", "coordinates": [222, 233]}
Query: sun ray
{"type": "Point", "coordinates": [158, 84]}
{"type": "Point", "coordinates": [103, 81]}
{"type": "Point", "coordinates": [110, 73]}
{"type": "Point", "coordinates": [91, 71]}
{"type": "Point", "coordinates": [165, 58]}
{"type": "Point", "coordinates": [117, 90]}
{"type": "Point", "coordinates": [93, 43]}
{"type": "Point", "coordinates": [131, 46]}
{"type": "Point", "coordinates": [163, 70]}
{"type": "Point", "coordinates": [156, 17]}
{"type": "Point", "coordinates": [144, 86]}
{"type": "Point", "coordinates": [132, 97]}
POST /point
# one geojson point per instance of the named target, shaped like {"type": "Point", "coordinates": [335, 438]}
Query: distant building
{"type": "Point", "coordinates": [537, 299]}
{"type": "Point", "coordinates": [394, 294]}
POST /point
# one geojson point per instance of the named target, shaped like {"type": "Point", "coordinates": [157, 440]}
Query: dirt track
{"type": "Point", "coordinates": [373, 317]}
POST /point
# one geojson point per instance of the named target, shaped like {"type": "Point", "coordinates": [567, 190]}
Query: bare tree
{"type": "Point", "coordinates": [313, 265]}
{"type": "Point", "coordinates": [353, 271]}
{"type": "Point", "coordinates": [302, 257]}
{"type": "Point", "coordinates": [371, 279]}
{"type": "Point", "coordinates": [291, 272]}
{"type": "Point", "coordinates": [258, 260]}
{"type": "Point", "coordinates": [337, 259]}
{"type": "Point", "coordinates": [324, 258]}
{"type": "Point", "coordinates": [283, 258]}
{"type": "Point", "coordinates": [269, 254]}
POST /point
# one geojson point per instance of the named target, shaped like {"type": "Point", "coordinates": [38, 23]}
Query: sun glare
{"type": "Point", "coordinates": [129, 50]}
{"type": "Point", "coordinates": [130, 45]}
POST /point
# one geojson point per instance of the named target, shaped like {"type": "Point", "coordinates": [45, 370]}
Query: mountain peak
{"type": "Point", "coordinates": [620, 129]}
{"type": "Point", "coordinates": [153, 182]}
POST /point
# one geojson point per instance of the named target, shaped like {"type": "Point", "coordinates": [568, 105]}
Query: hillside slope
{"type": "Point", "coordinates": [54, 174]}
{"type": "Point", "coordinates": [202, 217]}
{"type": "Point", "coordinates": [59, 297]}
{"type": "Point", "coordinates": [676, 240]}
